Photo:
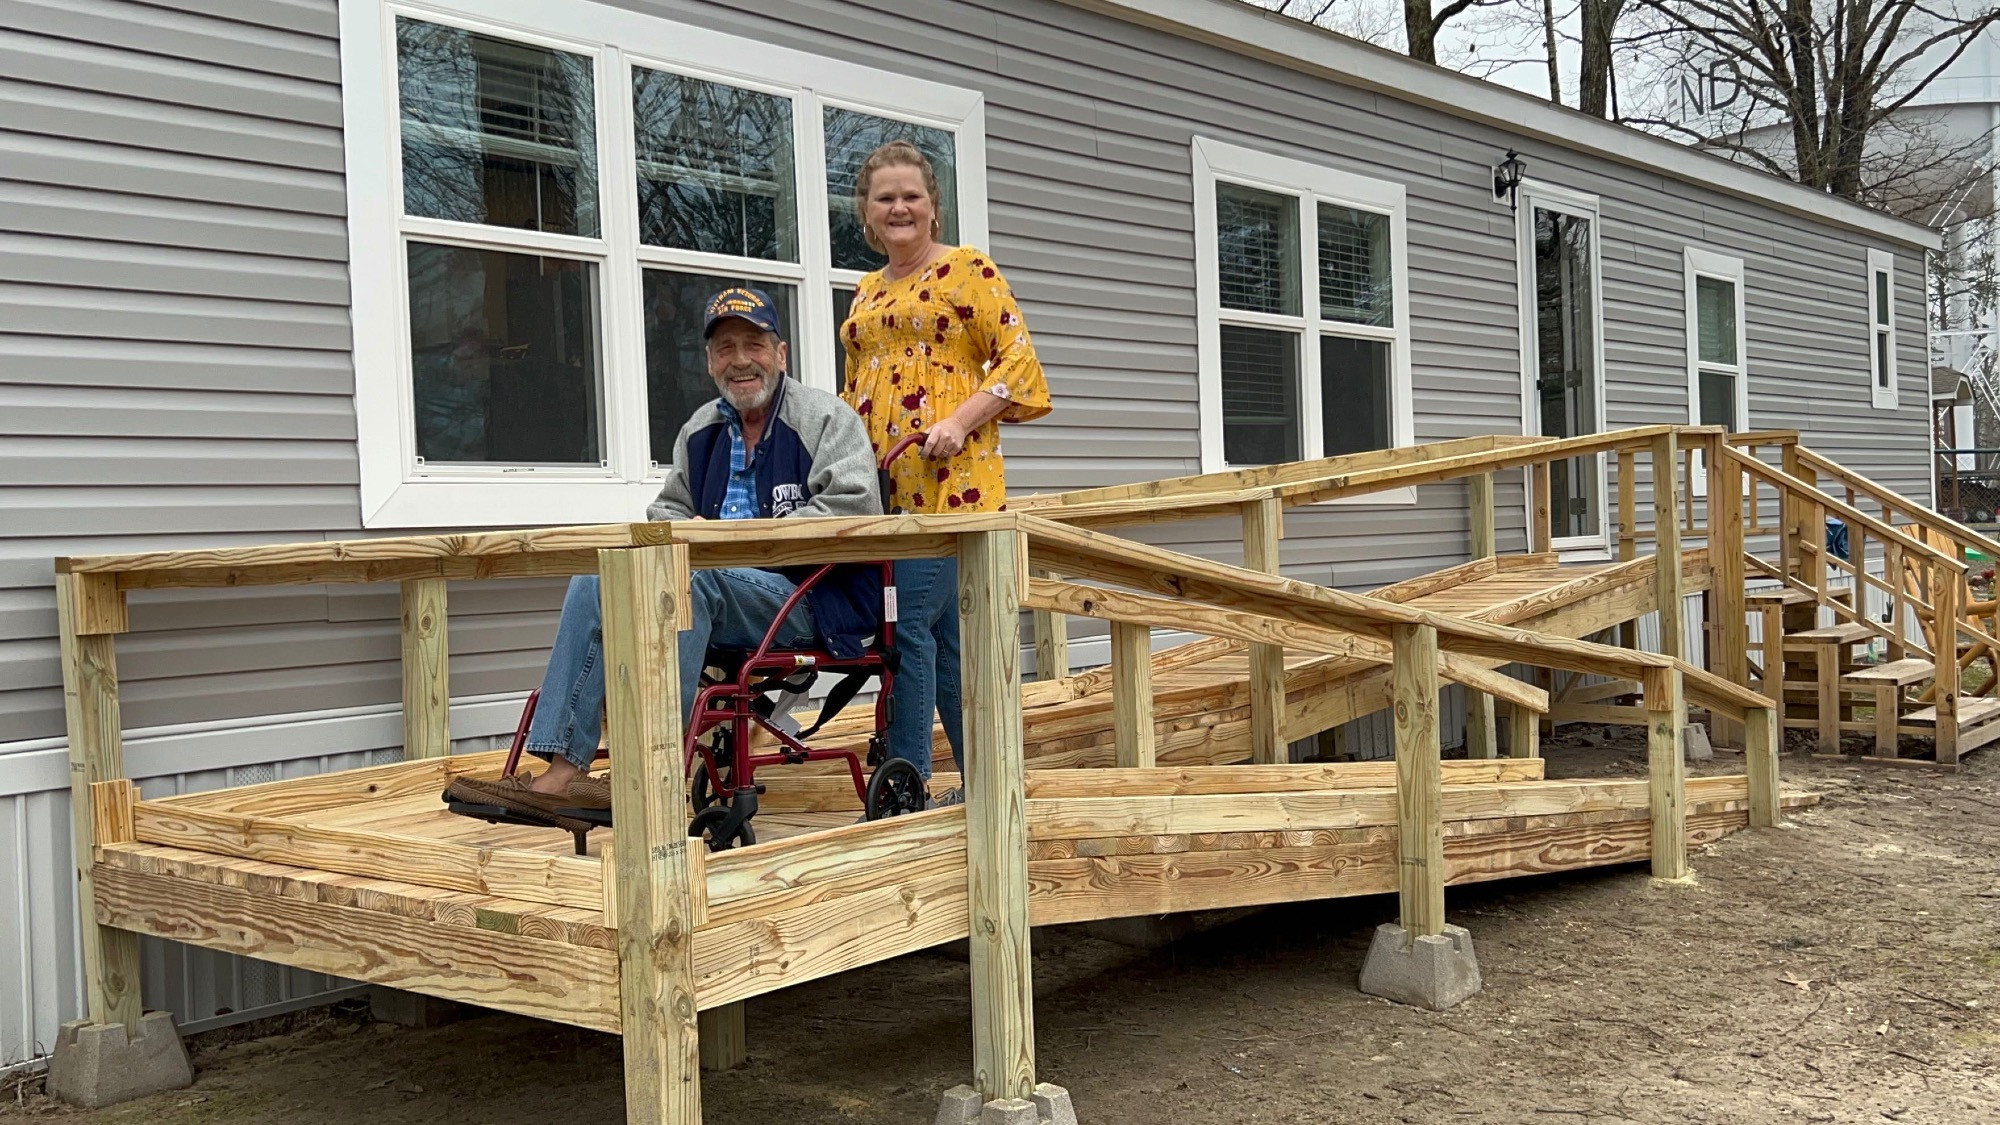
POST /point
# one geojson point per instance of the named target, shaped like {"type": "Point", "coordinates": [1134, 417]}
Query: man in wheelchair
{"type": "Point", "coordinates": [767, 447]}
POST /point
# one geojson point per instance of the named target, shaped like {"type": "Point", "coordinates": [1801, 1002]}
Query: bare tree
{"type": "Point", "coordinates": [1595, 92]}
{"type": "Point", "coordinates": [1813, 83]}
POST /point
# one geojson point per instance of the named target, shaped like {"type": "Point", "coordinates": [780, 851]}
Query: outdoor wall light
{"type": "Point", "coordinates": [1507, 177]}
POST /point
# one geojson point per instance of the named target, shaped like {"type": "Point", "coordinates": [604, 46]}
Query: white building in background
{"type": "Point", "coordinates": [1964, 104]}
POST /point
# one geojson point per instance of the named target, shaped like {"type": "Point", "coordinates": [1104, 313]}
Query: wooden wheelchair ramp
{"type": "Point", "coordinates": [364, 875]}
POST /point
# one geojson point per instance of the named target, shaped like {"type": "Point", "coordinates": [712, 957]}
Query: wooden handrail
{"type": "Point", "coordinates": [1087, 554]}
{"type": "Point", "coordinates": [1309, 482]}
{"type": "Point", "coordinates": [1890, 499]}
{"type": "Point", "coordinates": [1784, 482]}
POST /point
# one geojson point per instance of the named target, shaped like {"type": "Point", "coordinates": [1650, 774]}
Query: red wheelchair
{"type": "Point", "coordinates": [737, 696]}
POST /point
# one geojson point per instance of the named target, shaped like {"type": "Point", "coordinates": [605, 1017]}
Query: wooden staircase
{"type": "Point", "coordinates": [1905, 566]}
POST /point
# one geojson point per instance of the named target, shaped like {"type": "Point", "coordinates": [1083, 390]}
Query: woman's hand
{"type": "Point", "coordinates": [947, 437]}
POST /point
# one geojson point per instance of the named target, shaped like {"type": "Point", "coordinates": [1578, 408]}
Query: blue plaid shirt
{"type": "Point", "coordinates": [739, 500]}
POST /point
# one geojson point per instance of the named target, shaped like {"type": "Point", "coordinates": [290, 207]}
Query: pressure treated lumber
{"type": "Point", "coordinates": [556, 880]}
{"type": "Point", "coordinates": [1419, 782]}
{"type": "Point", "coordinates": [1667, 544]}
{"type": "Point", "coordinates": [1139, 609]}
{"type": "Point", "coordinates": [1761, 740]}
{"type": "Point", "coordinates": [1524, 733]}
{"type": "Point", "coordinates": [642, 589]}
{"type": "Point", "coordinates": [1666, 772]}
{"type": "Point", "coordinates": [426, 670]}
{"type": "Point", "coordinates": [96, 753]}
{"type": "Point", "coordinates": [515, 973]}
{"type": "Point", "coordinates": [724, 1042]}
{"type": "Point", "coordinates": [1263, 526]}
{"type": "Point", "coordinates": [1132, 693]}
{"type": "Point", "coordinates": [1728, 646]}
{"type": "Point", "coordinates": [1003, 1028]}
{"type": "Point", "coordinates": [1250, 779]}
{"type": "Point", "coordinates": [1051, 642]}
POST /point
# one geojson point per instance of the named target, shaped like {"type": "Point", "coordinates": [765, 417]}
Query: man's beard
{"type": "Point", "coordinates": [747, 398]}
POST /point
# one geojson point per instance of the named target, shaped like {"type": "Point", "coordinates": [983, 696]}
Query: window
{"type": "Point", "coordinates": [1718, 392]}
{"type": "Point", "coordinates": [541, 215]}
{"type": "Point", "coordinates": [1304, 315]}
{"type": "Point", "coordinates": [1882, 329]}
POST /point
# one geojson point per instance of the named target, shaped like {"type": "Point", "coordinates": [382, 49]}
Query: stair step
{"type": "Point", "coordinates": [1901, 673]}
{"type": "Point", "coordinates": [1847, 632]}
{"type": "Point", "coordinates": [1971, 709]}
{"type": "Point", "coordinates": [1781, 596]}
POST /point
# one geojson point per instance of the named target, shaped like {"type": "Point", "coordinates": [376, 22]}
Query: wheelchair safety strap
{"type": "Point", "coordinates": [843, 692]}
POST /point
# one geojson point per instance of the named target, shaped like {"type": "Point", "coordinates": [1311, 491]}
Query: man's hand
{"type": "Point", "coordinates": [947, 437]}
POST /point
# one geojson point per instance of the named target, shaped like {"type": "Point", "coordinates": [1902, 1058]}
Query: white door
{"type": "Point", "coordinates": [1562, 351]}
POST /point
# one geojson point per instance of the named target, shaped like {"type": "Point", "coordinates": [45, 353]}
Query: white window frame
{"type": "Point", "coordinates": [1881, 262]}
{"type": "Point", "coordinates": [1311, 184]}
{"type": "Point", "coordinates": [1551, 197]}
{"type": "Point", "coordinates": [398, 493]}
{"type": "Point", "coordinates": [1697, 264]}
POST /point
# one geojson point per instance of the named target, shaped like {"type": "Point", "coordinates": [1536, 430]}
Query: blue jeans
{"type": "Point", "coordinates": [732, 609]}
{"type": "Point", "coordinates": [927, 683]}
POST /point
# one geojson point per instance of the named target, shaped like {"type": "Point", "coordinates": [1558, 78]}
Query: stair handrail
{"type": "Point", "coordinates": [1893, 501]}
{"type": "Point", "coordinates": [1301, 483]}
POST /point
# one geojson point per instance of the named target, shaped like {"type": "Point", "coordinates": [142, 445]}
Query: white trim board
{"type": "Point", "coordinates": [1249, 30]}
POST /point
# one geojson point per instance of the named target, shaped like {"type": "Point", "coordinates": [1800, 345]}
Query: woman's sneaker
{"type": "Point", "coordinates": [946, 799]}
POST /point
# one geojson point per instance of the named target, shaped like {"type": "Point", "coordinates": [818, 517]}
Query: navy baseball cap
{"type": "Point", "coordinates": [745, 304]}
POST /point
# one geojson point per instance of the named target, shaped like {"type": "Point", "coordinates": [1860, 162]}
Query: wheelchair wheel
{"type": "Point", "coordinates": [895, 788]}
{"type": "Point", "coordinates": [702, 790]}
{"type": "Point", "coordinates": [709, 821]}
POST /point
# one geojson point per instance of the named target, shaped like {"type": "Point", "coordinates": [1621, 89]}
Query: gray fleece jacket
{"type": "Point", "coordinates": [814, 460]}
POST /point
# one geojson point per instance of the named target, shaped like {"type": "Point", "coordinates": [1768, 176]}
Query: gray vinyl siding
{"type": "Point", "coordinates": [175, 361]}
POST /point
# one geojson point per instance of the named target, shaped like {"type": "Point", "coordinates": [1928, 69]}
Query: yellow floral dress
{"type": "Point", "coordinates": [917, 349]}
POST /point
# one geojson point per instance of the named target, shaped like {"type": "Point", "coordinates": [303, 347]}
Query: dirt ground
{"type": "Point", "coordinates": [1845, 968]}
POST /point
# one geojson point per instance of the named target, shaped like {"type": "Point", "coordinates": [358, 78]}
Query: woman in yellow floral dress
{"type": "Point", "coordinates": [934, 344]}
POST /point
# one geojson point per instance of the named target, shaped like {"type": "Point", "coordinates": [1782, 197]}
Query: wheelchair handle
{"type": "Point", "coordinates": [897, 449]}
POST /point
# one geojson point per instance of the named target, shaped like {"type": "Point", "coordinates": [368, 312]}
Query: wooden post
{"type": "Point", "coordinates": [1666, 771]}
{"type": "Point", "coordinates": [1132, 693]}
{"type": "Point", "coordinates": [642, 590]}
{"type": "Point", "coordinates": [724, 1043]}
{"type": "Point", "coordinates": [1524, 732]}
{"type": "Point", "coordinates": [1728, 616]}
{"type": "Point", "coordinates": [1479, 500]}
{"type": "Point", "coordinates": [1539, 531]}
{"type": "Point", "coordinates": [1263, 527]}
{"type": "Point", "coordinates": [1761, 738]}
{"type": "Point", "coordinates": [1892, 573]}
{"type": "Point", "coordinates": [1051, 641]}
{"type": "Point", "coordinates": [996, 817]}
{"type": "Point", "coordinates": [90, 611]}
{"type": "Point", "coordinates": [426, 670]}
{"type": "Point", "coordinates": [1419, 781]}
{"type": "Point", "coordinates": [1667, 545]}
{"type": "Point", "coordinates": [1791, 512]}
{"type": "Point", "coordinates": [1628, 529]}
{"type": "Point", "coordinates": [1482, 739]}
{"type": "Point", "coordinates": [1945, 586]}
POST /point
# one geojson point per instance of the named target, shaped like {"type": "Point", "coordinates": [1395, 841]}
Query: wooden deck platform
{"type": "Point", "coordinates": [365, 875]}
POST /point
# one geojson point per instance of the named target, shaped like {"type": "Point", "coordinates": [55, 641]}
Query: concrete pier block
{"type": "Point", "coordinates": [1009, 1111]}
{"type": "Point", "coordinates": [1052, 1104]}
{"type": "Point", "coordinates": [96, 1065]}
{"type": "Point", "coordinates": [1048, 1105]}
{"type": "Point", "coordinates": [1694, 738]}
{"type": "Point", "coordinates": [1432, 972]}
{"type": "Point", "coordinates": [960, 1106]}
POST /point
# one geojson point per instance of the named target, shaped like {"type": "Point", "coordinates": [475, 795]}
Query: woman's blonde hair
{"type": "Point", "coordinates": [894, 154]}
